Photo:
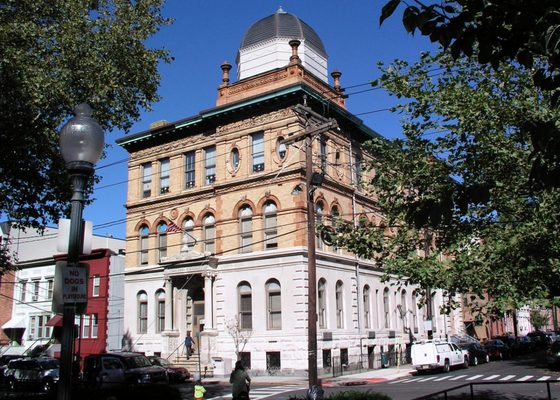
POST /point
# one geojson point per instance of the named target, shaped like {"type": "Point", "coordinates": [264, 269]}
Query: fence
{"type": "Point", "coordinates": [341, 365]}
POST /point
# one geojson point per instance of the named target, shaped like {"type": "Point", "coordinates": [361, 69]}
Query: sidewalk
{"type": "Point", "coordinates": [348, 379]}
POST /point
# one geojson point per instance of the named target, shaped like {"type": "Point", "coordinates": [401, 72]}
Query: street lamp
{"type": "Point", "coordinates": [81, 144]}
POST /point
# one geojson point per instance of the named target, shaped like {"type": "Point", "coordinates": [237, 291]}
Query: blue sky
{"type": "Point", "coordinates": [207, 32]}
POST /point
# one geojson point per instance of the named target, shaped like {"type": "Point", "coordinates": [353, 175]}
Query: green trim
{"type": "Point", "coordinates": [124, 142]}
{"type": "Point", "coordinates": [187, 123]}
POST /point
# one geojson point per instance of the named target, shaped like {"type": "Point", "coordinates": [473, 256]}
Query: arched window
{"type": "Point", "coordinates": [339, 298]}
{"type": "Point", "coordinates": [335, 217]}
{"type": "Point", "coordinates": [319, 211]}
{"type": "Point", "coordinates": [188, 233]}
{"type": "Point", "coordinates": [270, 226]}
{"type": "Point", "coordinates": [209, 231]}
{"type": "Point", "coordinates": [322, 303]}
{"type": "Point", "coordinates": [160, 311]}
{"type": "Point", "coordinates": [367, 307]}
{"type": "Point", "coordinates": [162, 240]}
{"type": "Point", "coordinates": [414, 307]}
{"type": "Point", "coordinates": [142, 312]}
{"type": "Point", "coordinates": [144, 235]}
{"type": "Point", "coordinates": [404, 310]}
{"type": "Point", "coordinates": [274, 304]}
{"type": "Point", "coordinates": [386, 312]}
{"type": "Point", "coordinates": [245, 229]}
{"type": "Point", "coordinates": [245, 306]}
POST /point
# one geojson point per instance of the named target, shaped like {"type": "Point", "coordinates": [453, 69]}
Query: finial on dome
{"type": "Point", "coordinates": [226, 66]}
{"type": "Point", "coordinates": [280, 10]}
{"type": "Point", "coordinates": [294, 44]}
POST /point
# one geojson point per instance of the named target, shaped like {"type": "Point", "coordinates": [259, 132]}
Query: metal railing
{"type": "Point", "coordinates": [445, 393]}
{"type": "Point", "coordinates": [366, 362]}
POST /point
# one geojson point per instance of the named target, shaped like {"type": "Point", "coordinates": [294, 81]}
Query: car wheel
{"type": "Point", "coordinates": [487, 358]}
{"type": "Point", "coordinates": [47, 386]}
{"type": "Point", "coordinates": [500, 356]}
{"type": "Point", "coordinates": [446, 366]}
{"type": "Point", "coordinates": [466, 363]}
{"type": "Point", "coordinates": [475, 361]}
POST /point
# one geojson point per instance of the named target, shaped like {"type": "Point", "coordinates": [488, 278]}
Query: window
{"type": "Point", "coordinates": [86, 326]}
{"type": "Point", "coordinates": [270, 226]}
{"type": "Point", "coordinates": [245, 306]}
{"type": "Point", "coordinates": [188, 231]}
{"type": "Point", "coordinates": [95, 284]}
{"type": "Point", "coordinates": [50, 288]}
{"type": "Point", "coordinates": [94, 326]}
{"type": "Point", "coordinates": [160, 311]}
{"type": "Point", "coordinates": [335, 218]}
{"type": "Point", "coordinates": [245, 357]}
{"type": "Point", "coordinates": [245, 229]}
{"type": "Point", "coordinates": [318, 221]}
{"type": "Point", "coordinates": [38, 328]}
{"type": "Point", "coordinates": [36, 285]}
{"type": "Point", "coordinates": [344, 357]}
{"type": "Point", "coordinates": [358, 172]}
{"type": "Point", "coordinates": [144, 234]}
{"type": "Point", "coordinates": [146, 180]}
{"type": "Point", "coordinates": [162, 240]}
{"type": "Point", "coordinates": [23, 286]}
{"type": "Point", "coordinates": [367, 310]}
{"type": "Point", "coordinates": [234, 158]}
{"type": "Point", "coordinates": [273, 361]}
{"type": "Point", "coordinates": [281, 148]}
{"type": "Point", "coordinates": [323, 152]}
{"type": "Point", "coordinates": [258, 151]}
{"type": "Point", "coordinates": [387, 318]}
{"type": "Point", "coordinates": [41, 328]}
{"type": "Point", "coordinates": [32, 327]}
{"type": "Point", "coordinates": [142, 304]}
{"type": "Point", "coordinates": [274, 304]}
{"type": "Point", "coordinates": [209, 231]}
{"type": "Point", "coordinates": [322, 303]}
{"type": "Point", "coordinates": [164, 176]}
{"type": "Point", "coordinates": [190, 160]}
{"type": "Point", "coordinates": [210, 164]}
{"type": "Point", "coordinates": [339, 305]}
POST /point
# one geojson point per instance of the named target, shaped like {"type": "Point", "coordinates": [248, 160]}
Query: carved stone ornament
{"type": "Point", "coordinates": [174, 213]}
{"type": "Point", "coordinates": [255, 121]}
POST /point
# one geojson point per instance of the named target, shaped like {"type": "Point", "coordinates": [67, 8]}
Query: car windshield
{"type": "Point", "coordinates": [163, 362]}
{"type": "Point", "coordinates": [137, 362]}
{"type": "Point", "coordinates": [49, 364]}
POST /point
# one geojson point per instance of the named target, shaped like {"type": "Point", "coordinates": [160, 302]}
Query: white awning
{"type": "Point", "coordinates": [15, 323]}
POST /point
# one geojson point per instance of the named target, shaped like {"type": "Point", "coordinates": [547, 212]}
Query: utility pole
{"type": "Point", "coordinates": [308, 134]}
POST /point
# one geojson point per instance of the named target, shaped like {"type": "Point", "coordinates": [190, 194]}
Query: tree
{"type": "Point", "coordinates": [56, 54]}
{"type": "Point", "coordinates": [538, 319]}
{"type": "Point", "coordinates": [457, 184]}
{"type": "Point", "coordinates": [239, 335]}
{"type": "Point", "coordinates": [526, 32]}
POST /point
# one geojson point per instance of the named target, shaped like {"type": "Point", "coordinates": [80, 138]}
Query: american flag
{"type": "Point", "coordinates": [173, 227]}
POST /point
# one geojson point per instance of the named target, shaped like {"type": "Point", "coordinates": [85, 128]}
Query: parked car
{"type": "Point", "coordinates": [497, 349]}
{"type": "Point", "coordinates": [476, 352]}
{"type": "Point", "coordinates": [175, 373]}
{"type": "Point", "coordinates": [509, 342]}
{"type": "Point", "coordinates": [539, 338]}
{"type": "Point", "coordinates": [110, 370]}
{"type": "Point", "coordinates": [525, 344]}
{"type": "Point", "coordinates": [431, 355]}
{"type": "Point", "coordinates": [553, 355]}
{"type": "Point", "coordinates": [4, 360]}
{"type": "Point", "coordinates": [41, 373]}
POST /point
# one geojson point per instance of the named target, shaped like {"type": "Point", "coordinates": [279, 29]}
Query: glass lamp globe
{"type": "Point", "coordinates": [81, 139]}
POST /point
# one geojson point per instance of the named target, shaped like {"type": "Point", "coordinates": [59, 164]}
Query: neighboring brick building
{"type": "Point", "coordinates": [217, 229]}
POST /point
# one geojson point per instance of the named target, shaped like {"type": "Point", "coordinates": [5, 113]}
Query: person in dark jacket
{"type": "Point", "coordinates": [240, 381]}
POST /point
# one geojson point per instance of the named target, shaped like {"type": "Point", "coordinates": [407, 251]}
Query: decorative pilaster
{"type": "Point", "coordinates": [208, 300]}
{"type": "Point", "coordinates": [168, 305]}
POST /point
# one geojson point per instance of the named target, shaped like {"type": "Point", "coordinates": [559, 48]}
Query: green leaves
{"type": "Point", "coordinates": [388, 10]}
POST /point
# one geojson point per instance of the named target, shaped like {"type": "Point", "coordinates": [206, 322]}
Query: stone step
{"type": "Point", "coordinates": [191, 364]}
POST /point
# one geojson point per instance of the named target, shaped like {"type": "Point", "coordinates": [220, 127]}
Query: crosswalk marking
{"type": "Point", "coordinates": [261, 393]}
{"type": "Point", "coordinates": [480, 377]}
{"type": "Point", "coordinates": [427, 379]}
{"type": "Point", "coordinates": [525, 378]}
{"type": "Point", "coordinates": [458, 377]}
{"type": "Point", "coordinates": [399, 381]}
{"type": "Point", "coordinates": [507, 377]}
{"type": "Point", "coordinates": [489, 378]}
{"type": "Point", "coordinates": [442, 378]}
{"type": "Point", "coordinates": [472, 378]}
{"type": "Point", "coordinates": [544, 378]}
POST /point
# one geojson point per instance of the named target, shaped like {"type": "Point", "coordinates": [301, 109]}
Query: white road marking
{"type": "Point", "coordinates": [544, 378]}
{"type": "Point", "coordinates": [457, 377]}
{"type": "Point", "coordinates": [442, 378]}
{"type": "Point", "coordinates": [507, 378]}
{"type": "Point", "coordinates": [427, 379]}
{"type": "Point", "coordinates": [489, 378]}
{"type": "Point", "coordinates": [472, 378]}
{"type": "Point", "coordinates": [525, 378]}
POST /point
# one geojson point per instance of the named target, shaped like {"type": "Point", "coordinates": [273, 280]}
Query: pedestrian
{"type": "Point", "coordinates": [240, 381]}
{"type": "Point", "coordinates": [188, 344]}
{"type": "Point", "coordinates": [199, 390]}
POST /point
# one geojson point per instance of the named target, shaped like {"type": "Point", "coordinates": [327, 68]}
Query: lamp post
{"type": "Point", "coordinates": [81, 145]}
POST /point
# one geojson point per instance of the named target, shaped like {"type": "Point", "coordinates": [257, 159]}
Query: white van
{"type": "Point", "coordinates": [438, 355]}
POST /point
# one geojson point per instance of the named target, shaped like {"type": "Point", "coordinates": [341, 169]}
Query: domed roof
{"type": "Point", "coordinates": [282, 25]}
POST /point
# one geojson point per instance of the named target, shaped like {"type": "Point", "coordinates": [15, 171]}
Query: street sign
{"type": "Point", "coordinates": [70, 286]}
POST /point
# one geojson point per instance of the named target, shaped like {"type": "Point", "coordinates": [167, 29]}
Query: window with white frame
{"type": "Point", "coordinates": [146, 180]}
{"type": "Point", "coordinates": [144, 237]}
{"type": "Point", "coordinates": [94, 326]}
{"type": "Point", "coordinates": [281, 148]}
{"type": "Point", "coordinates": [188, 233]}
{"type": "Point", "coordinates": [386, 309]}
{"type": "Point", "coordinates": [23, 289]}
{"type": "Point", "coordinates": [245, 306]}
{"type": "Point", "coordinates": [142, 313]}
{"type": "Point", "coordinates": [319, 211]}
{"type": "Point", "coordinates": [274, 304]}
{"type": "Point", "coordinates": [339, 302]}
{"type": "Point", "coordinates": [367, 307]}
{"type": "Point", "coordinates": [38, 328]}
{"type": "Point", "coordinates": [190, 165]}
{"type": "Point", "coordinates": [209, 232]}
{"type": "Point", "coordinates": [96, 283]}
{"type": "Point", "coordinates": [164, 175]}
{"type": "Point", "coordinates": [322, 303]}
{"type": "Point", "coordinates": [160, 311]}
{"type": "Point", "coordinates": [257, 142]}
{"type": "Point", "coordinates": [86, 326]}
{"type": "Point", "coordinates": [245, 229]}
{"type": "Point", "coordinates": [270, 226]}
{"type": "Point", "coordinates": [36, 287]}
{"type": "Point", "coordinates": [50, 288]}
{"type": "Point", "coordinates": [162, 240]}
{"type": "Point", "coordinates": [210, 164]}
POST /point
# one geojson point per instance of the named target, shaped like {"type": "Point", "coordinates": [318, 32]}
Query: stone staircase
{"type": "Point", "coordinates": [191, 364]}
